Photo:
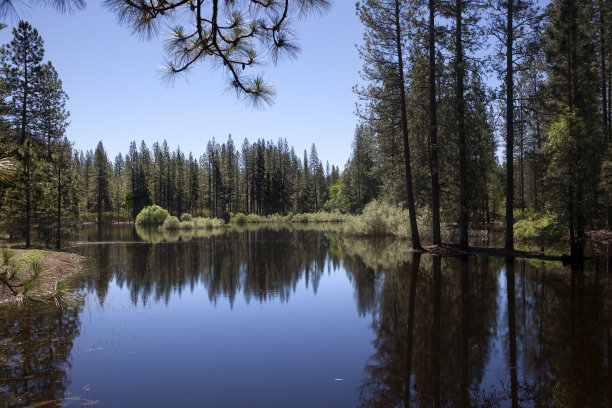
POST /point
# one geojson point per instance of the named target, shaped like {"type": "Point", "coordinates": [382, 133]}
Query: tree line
{"type": "Point", "coordinates": [432, 124]}
{"type": "Point", "coordinates": [261, 177]}
{"type": "Point", "coordinates": [55, 187]}
{"type": "Point", "coordinates": [429, 135]}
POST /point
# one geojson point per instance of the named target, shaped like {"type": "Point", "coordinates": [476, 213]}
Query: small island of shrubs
{"type": "Point", "coordinates": [156, 216]}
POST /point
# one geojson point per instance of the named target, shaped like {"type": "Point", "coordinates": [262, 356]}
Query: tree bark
{"type": "Point", "coordinates": [58, 240]}
{"type": "Point", "coordinates": [433, 130]}
{"type": "Point", "coordinates": [509, 241]}
{"type": "Point", "coordinates": [460, 73]}
{"type": "Point", "coordinates": [414, 229]}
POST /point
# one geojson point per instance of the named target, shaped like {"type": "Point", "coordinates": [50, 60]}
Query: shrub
{"type": "Point", "coordinates": [153, 215]}
{"type": "Point", "coordinates": [186, 217]}
{"type": "Point", "coordinates": [379, 219]}
{"type": "Point", "coordinates": [37, 268]}
{"type": "Point", "coordinates": [254, 218]}
{"type": "Point", "coordinates": [7, 254]}
{"type": "Point", "coordinates": [171, 223]}
{"type": "Point", "coordinates": [541, 229]}
{"type": "Point", "coordinates": [208, 223]}
{"type": "Point", "coordinates": [186, 225]}
{"type": "Point", "coordinates": [240, 218]}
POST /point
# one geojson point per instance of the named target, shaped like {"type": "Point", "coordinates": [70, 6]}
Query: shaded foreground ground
{"type": "Point", "coordinates": [57, 266]}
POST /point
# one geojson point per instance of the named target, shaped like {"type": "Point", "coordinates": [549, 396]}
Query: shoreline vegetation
{"type": "Point", "coordinates": [379, 219]}
{"type": "Point", "coordinates": [38, 275]}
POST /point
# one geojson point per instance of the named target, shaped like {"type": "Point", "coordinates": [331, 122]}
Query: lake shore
{"type": "Point", "coordinates": [57, 266]}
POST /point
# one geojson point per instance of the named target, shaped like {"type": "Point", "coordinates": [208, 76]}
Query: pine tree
{"type": "Point", "coordinates": [21, 67]}
{"type": "Point", "coordinates": [573, 89]}
{"type": "Point", "coordinates": [100, 181]}
{"type": "Point", "coordinates": [383, 55]}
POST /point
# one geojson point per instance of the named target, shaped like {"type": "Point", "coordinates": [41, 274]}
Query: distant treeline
{"type": "Point", "coordinates": [262, 178]}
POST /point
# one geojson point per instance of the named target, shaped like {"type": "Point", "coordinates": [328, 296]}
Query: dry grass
{"type": "Point", "coordinates": [58, 270]}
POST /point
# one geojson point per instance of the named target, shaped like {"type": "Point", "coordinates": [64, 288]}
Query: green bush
{"type": "Point", "coordinates": [7, 254]}
{"type": "Point", "coordinates": [153, 215]}
{"type": "Point", "coordinates": [37, 268]}
{"type": "Point", "coordinates": [208, 223]}
{"type": "Point", "coordinates": [240, 219]}
{"type": "Point", "coordinates": [538, 228]}
{"type": "Point", "coordinates": [186, 225]}
{"type": "Point", "coordinates": [379, 219]}
{"type": "Point", "coordinates": [186, 217]}
{"type": "Point", "coordinates": [171, 223]}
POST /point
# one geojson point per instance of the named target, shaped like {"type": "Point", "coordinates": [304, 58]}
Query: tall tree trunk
{"type": "Point", "coordinates": [604, 84]}
{"type": "Point", "coordinates": [24, 139]}
{"type": "Point", "coordinates": [509, 241]}
{"type": "Point", "coordinates": [414, 229]}
{"type": "Point", "coordinates": [28, 187]}
{"type": "Point", "coordinates": [433, 130]}
{"type": "Point", "coordinates": [358, 177]}
{"type": "Point", "coordinates": [521, 158]}
{"type": "Point", "coordinates": [58, 240]}
{"type": "Point", "coordinates": [460, 73]}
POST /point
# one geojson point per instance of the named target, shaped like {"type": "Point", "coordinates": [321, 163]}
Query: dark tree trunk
{"type": "Point", "coordinates": [460, 73]}
{"type": "Point", "coordinates": [433, 130]}
{"type": "Point", "coordinates": [509, 242]}
{"type": "Point", "coordinates": [414, 229]}
{"type": "Point", "coordinates": [58, 239]}
{"type": "Point", "coordinates": [604, 84]}
{"type": "Point", "coordinates": [521, 158]}
{"type": "Point", "coordinates": [28, 186]}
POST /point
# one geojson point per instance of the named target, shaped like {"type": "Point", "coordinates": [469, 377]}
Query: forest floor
{"type": "Point", "coordinates": [600, 236]}
{"type": "Point", "coordinates": [57, 267]}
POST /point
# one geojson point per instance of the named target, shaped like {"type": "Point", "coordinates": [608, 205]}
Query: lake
{"type": "Point", "coordinates": [299, 316]}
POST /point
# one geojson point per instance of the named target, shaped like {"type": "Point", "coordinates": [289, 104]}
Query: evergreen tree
{"type": "Point", "coordinates": [383, 55]}
{"type": "Point", "coordinates": [21, 66]}
{"type": "Point", "coordinates": [100, 185]}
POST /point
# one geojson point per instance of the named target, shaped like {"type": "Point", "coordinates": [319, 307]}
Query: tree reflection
{"type": "Point", "coordinates": [477, 332]}
{"type": "Point", "coordinates": [426, 318]}
{"type": "Point", "coordinates": [35, 354]}
{"type": "Point", "coordinates": [260, 264]}
{"type": "Point", "coordinates": [549, 322]}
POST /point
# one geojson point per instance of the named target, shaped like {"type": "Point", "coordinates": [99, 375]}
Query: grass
{"type": "Point", "coordinates": [38, 275]}
{"type": "Point", "coordinates": [321, 216]}
{"type": "Point", "coordinates": [173, 223]}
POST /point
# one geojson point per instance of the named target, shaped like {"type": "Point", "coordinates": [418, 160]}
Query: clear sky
{"type": "Point", "coordinates": [116, 94]}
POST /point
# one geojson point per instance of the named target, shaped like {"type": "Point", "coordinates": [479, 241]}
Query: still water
{"type": "Point", "coordinates": [302, 317]}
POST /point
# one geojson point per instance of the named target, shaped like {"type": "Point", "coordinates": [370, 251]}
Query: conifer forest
{"type": "Point", "coordinates": [469, 227]}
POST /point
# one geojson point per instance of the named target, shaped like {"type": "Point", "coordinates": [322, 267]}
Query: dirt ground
{"type": "Point", "coordinates": [57, 266]}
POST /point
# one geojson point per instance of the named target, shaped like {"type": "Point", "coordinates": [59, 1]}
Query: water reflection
{"type": "Point", "coordinates": [488, 332]}
{"type": "Point", "coordinates": [460, 332]}
{"type": "Point", "coordinates": [35, 347]}
{"type": "Point", "coordinates": [259, 264]}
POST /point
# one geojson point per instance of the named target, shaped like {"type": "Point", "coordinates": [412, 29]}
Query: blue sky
{"type": "Point", "coordinates": [116, 94]}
